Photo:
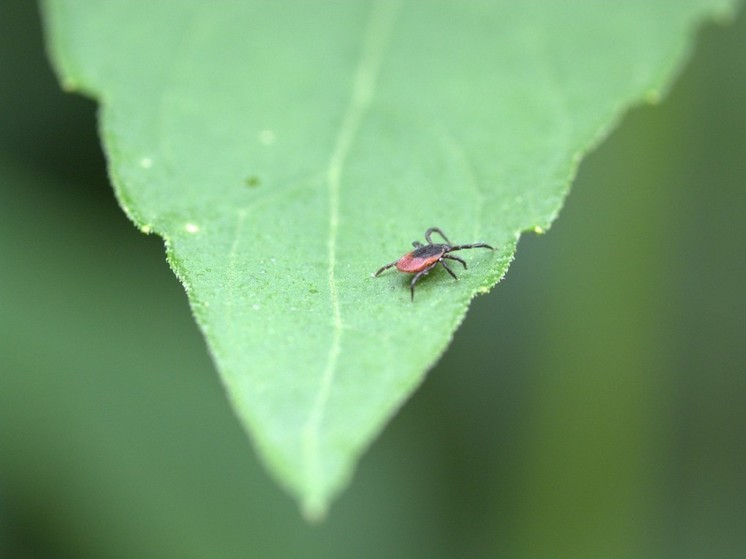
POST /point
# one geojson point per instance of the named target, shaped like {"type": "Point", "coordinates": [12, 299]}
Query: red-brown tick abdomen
{"type": "Point", "coordinates": [420, 258]}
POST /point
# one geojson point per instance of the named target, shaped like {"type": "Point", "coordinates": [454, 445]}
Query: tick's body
{"type": "Point", "coordinates": [420, 258]}
{"type": "Point", "coordinates": [425, 257]}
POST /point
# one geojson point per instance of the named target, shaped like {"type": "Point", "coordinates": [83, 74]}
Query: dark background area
{"type": "Point", "coordinates": [592, 405]}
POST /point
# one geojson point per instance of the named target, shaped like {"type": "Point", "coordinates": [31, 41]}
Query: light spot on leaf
{"type": "Point", "coordinates": [652, 97]}
{"type": "Point", "coordinates": [267, 137]}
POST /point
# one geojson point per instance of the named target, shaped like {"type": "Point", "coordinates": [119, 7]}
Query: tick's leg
{"type": "Point", "coordinates": [386, 267]}
{"type": "Point", "coordinates": [473, 245]}
{"type": "Point", "coordinates": [456, 258]}
{"type": "Point", "coordinates": [417, 244]}
{"type": "Point", "coordinates": [418, 275]}
{"type": "Point", "coordinates": [448, 269]}
{"type": "Point", "coordinates": [435, 230]}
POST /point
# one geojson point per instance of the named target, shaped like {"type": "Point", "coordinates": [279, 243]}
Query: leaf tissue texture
{"type": "Point", "coordinates": [287, 150]}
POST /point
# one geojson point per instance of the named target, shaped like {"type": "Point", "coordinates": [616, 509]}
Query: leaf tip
{"type": "Point", "coordinates": [314, 509]}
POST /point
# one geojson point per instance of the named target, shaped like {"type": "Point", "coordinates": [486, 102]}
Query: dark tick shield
{"type": "Point", "coordinates": [425, 257]}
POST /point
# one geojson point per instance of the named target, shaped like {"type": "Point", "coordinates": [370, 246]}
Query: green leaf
{"type": "Point", "coordinates": [287, 150]}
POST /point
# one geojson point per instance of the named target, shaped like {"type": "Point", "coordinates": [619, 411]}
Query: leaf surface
{"type": "Point", "coordinates": [287, 150]}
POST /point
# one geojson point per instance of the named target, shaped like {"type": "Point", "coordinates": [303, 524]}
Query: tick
{"type": "Point", "coordinates": [425, 257]}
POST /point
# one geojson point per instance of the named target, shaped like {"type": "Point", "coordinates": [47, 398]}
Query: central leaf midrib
{"type": "Point", "coordinates": [380, 23]}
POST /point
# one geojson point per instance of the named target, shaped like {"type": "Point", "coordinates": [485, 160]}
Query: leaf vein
{"type": "Point", "coordinates": [378, 29]}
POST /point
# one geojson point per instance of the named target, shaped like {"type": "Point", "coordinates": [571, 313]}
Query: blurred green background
{"type": "Point", "coordinates": [614, 426]}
